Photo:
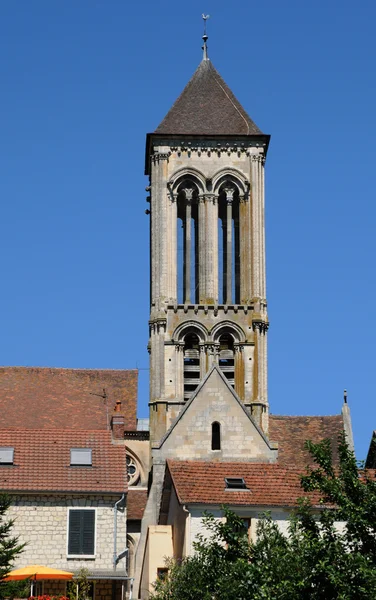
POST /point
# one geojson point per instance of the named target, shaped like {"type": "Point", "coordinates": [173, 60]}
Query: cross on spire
{"type": "Point", "coordinates": [205, 37]}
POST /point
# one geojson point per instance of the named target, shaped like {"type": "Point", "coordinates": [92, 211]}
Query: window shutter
{"type": "Point", "coordinates": [88, 530]}
{"type": "Point", "coordinates": [74, 532]}
{"type": "Point", "coordinates": [81, 538]}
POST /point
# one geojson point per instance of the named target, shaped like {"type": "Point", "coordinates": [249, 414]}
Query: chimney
{"type": "Point", "coordinates": [117, 422]}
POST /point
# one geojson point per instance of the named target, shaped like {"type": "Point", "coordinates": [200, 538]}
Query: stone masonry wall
{"type": "Point", "coordinates": [42, 522]}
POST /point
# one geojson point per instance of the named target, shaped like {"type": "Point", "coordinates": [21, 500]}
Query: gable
{"type": "Point", "coordinates": [190, 437]}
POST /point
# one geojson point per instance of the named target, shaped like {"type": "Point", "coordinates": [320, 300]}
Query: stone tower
{"type": "Point", "coordinates": [205, 162]}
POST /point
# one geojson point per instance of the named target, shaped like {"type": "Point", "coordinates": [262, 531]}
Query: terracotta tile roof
{"type": "Point", "coordinates": [269, 484]}
{"type": "Point", "coordinates": [39, 398]}
{"type": "Point", "coordinates": [292, 432]}
{"type": "Point", "coordinates": [136, 502]}
{"type": "Point", "coordinates": [42, 462]}
{"type": "Point", "coordinates": [207, 106]}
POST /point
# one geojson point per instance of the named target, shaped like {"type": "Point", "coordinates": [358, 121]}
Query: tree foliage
{"type": "Point", "coordinates": [317, 560]}
{"type": "Point", "coordinates": [10, 546]}
{"type": "Point", "coordinates": [80, 588]}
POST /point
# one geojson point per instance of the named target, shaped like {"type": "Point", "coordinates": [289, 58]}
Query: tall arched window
{"type": "Point", "coordinates": [191, 364]}
{"type": "Point", "coordinates": [216, 436]}
{"type": "Point", "coordinates": [229, 244]}
{"type": "Point", "coordinates": [187, 243]}
{"type": "Point", "coordinates": [226, 357]}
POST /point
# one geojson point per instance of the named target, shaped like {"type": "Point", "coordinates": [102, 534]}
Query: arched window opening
{"type": "Point", "coordinates": [226, 357]}
{"type": "Point", "coordinates": [229, 244]}
{"type": "Point", "coordinates": [187, 243]}
{"type": "Point", "coordinates": [216, 436]}
{"type": "Point", "coordinates": [191, 364]}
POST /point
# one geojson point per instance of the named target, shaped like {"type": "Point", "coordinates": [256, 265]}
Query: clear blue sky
{"type": "Point", "coordinates": [83, 82]}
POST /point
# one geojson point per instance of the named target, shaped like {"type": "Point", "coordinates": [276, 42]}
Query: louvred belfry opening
{"type": "Point", "coordinates": [191, 364]}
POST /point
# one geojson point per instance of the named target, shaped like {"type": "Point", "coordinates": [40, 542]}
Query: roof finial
{"type": "Point", "coordinates": [345, 396]}
{"type": "Point", "coordinates": [205, 37]}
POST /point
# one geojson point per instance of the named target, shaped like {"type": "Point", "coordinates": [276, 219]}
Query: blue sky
{"type": "Point", "coordinates": [83, 82]}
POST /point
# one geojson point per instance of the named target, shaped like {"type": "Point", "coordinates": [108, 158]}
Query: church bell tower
{"type": "Point", "coordinates": [208, 306]}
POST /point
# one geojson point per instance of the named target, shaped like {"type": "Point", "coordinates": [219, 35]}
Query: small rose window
{"type": "Point", "coordinates": [133, 470]}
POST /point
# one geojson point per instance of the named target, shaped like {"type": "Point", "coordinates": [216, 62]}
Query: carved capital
{"type": "Point", "coordinates": [260, 158]}
{"type": "Point", "coordinates": [188, 194]}
{"type": "Point", "coordinates": [261, 326]}
{"type": "Point", "coordinates": [160, 156]}
{"type": "Point", "coordinates": [211, 198]}
{"type": "Point", "coordinates": [229, 191]}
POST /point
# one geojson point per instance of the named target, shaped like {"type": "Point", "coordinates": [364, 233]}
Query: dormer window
{"type": "Point", "coordinates": [6, 455]}
{"type": "Point", "coordinates": [235, 483]}
{"type": "Point", "coordinates": [80, 457]}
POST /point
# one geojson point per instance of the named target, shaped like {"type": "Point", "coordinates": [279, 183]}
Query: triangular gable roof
{"type": "Point", "coordinates": [195, 394]}
{"type": "Point", "coordinates": [207, 106]}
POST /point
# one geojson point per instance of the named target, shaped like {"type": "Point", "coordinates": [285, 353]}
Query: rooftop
{"type": "Point", "coordinates": [207, 106]}
{"type": "Point", "coordinates": [42, 462]}
{"type": "Point", "coordinates": [42, 397]}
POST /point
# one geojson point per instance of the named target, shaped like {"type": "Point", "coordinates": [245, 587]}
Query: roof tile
{"type": "Point", "coordinates": [207, 106]}
{"type": "Point", "coordinates": [41, 397]}
{"type": "Point", "coordinates": [268, 484]}
{"type": "Point", "coordinates": [42, 462]}
{"type": "Point", "coordinates": [292, 432]}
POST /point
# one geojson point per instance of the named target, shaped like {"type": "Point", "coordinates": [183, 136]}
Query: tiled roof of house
{"type": "Point", "coordinates": [292, 432]}
{"type": "Point", "coordinates": [207, 106]}
{"type": "Point", "coordinates": [40, 398]}
{"type": "Point", "coordinates": [42, 462]}
{"type": "Point", "coordinates": [267, 484]}
{"type": "Point", "coordinates": [136, 502]}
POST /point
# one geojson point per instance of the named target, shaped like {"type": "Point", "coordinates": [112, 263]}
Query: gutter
{"type": "Point", "coordinates": [117, 557]}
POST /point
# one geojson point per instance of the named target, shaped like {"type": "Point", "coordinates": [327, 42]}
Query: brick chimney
{"type": "Point", "coordinates": [117, 422]}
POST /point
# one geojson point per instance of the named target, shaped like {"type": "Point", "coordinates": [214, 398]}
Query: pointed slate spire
{"type": "Point", "coordinates": [207, 106]}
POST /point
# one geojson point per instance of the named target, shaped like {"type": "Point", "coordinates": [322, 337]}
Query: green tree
{"type": "Point", "coordinates": [81, 587]}
{"type": "Point", "coordinates": [316, 561]}
{"type": "Point", "coordinates": [10, 546]}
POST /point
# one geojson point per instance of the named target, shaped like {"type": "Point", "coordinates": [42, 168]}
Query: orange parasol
{"type": "Point", "coordinates": [37, 572]}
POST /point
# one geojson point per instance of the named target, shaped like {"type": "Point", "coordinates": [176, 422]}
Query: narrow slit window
{"type": "Point", "coordinates": [216, 436]}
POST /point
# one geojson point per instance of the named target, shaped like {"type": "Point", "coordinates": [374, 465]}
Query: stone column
{"type": "Point", "coordinates": [179, 369]}
{"type": "Point", "coordinates": [239, 370]}
{"type": "Point", "coordinates": [229, 198]}
{"type": "Point", "coordinates": [245, 230]}
{"type": "Point", "coordinates": [172, 248]}
{"type": "Point", "coordinates": [159, 220]}
{"type": "Point", "coordinates": [211, 249]}
{"type": "Point", "coordinates": [202, 250]}
{"type": "Point", "coordinates": [203, 359]}
{"type": "Point", "coordinates": [258, 226]}
{"type": "Point", "coordinates": [188, 244]}
{"type": "Point", "coordinates": [262, 226]}
{"type": "Point", "coordinates": [260, 406]}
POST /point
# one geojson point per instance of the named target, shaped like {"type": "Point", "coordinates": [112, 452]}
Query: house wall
{"type": "Point", "coordinates": [158, 547]}
{"type": "Point", "coordinates": [42, 522]}
{"type": "Point", "coordinates": [279, 515]}
{"type": "Point", "coordinates": [177, 518]}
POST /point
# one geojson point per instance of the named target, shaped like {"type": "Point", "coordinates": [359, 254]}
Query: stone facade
{"type": "Point", "coordinates": [211, 169]}
{"type": "Point", "coordinates": [191, 436]}
{"type": "Point", "coordinates": [42, 522]}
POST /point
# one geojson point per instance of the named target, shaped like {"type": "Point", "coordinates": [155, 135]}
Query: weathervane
{"type": "Point", "coordinates": [205, 37]}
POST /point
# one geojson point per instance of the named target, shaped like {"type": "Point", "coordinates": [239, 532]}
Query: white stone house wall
{"type": "Point", "coordinates": [279, 516]}
{"type": "Point", "coordinates": [42, 522]}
